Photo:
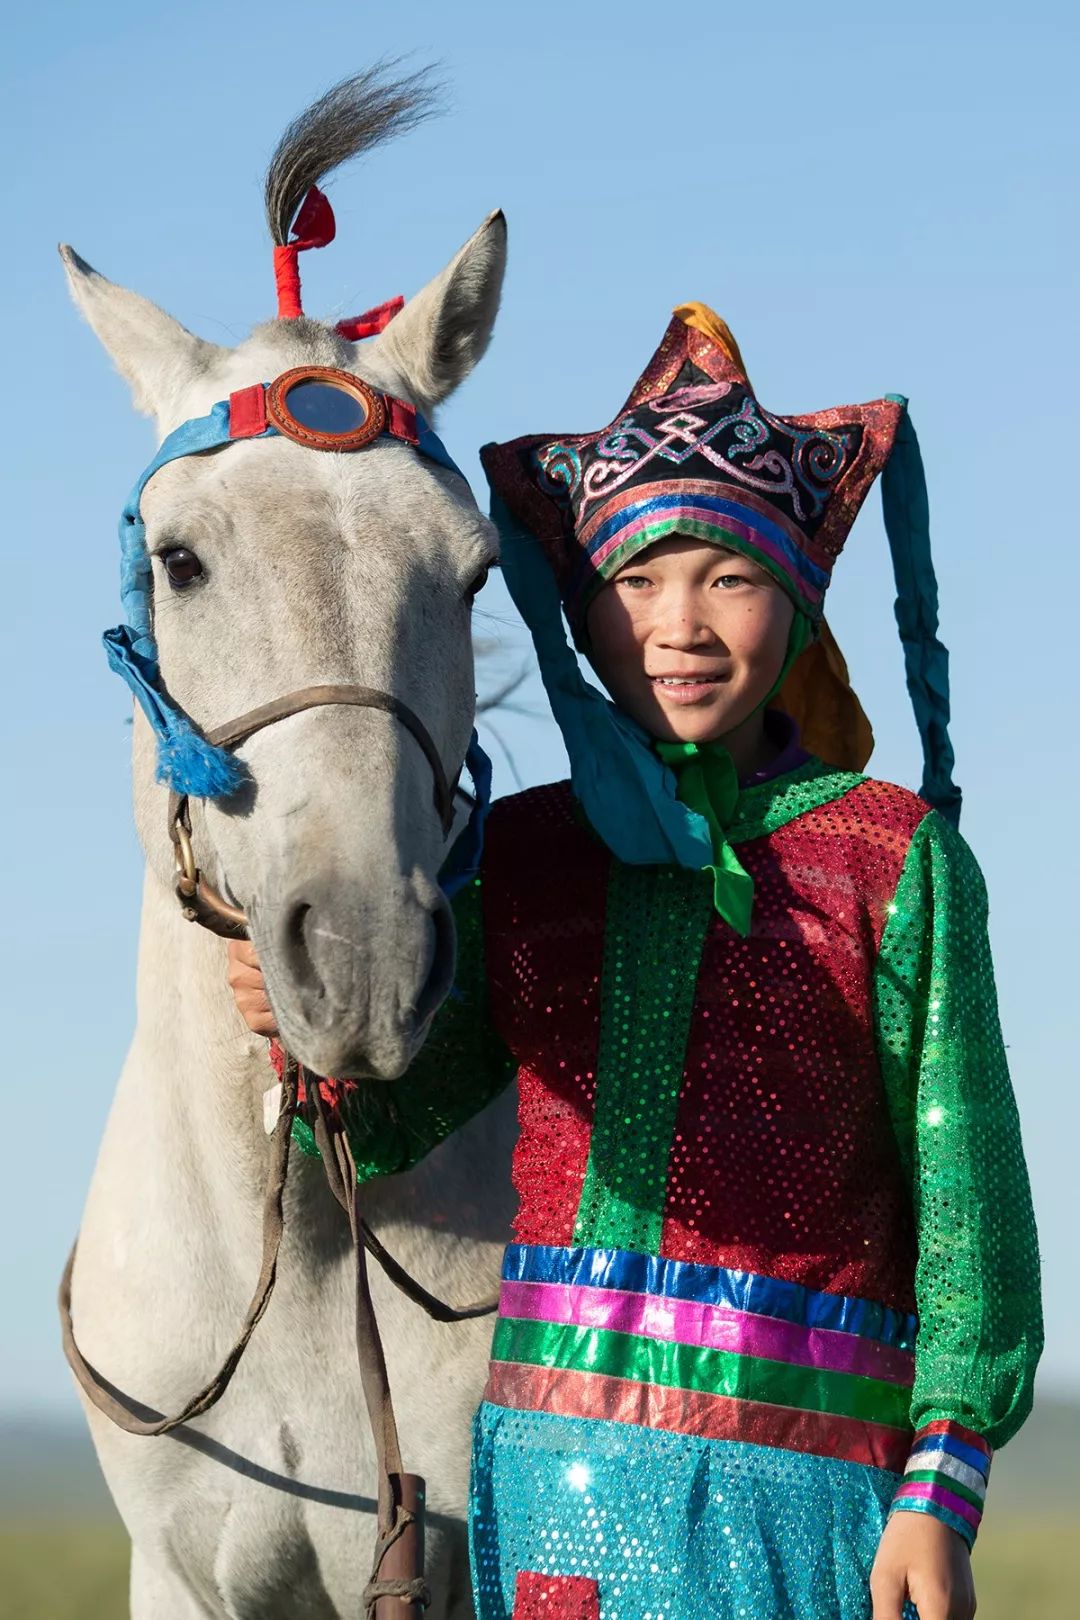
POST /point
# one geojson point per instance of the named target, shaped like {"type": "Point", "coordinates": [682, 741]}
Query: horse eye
{"type": "Point", "coordinates": [181, 566]}
{"type": "Point", "coordinates": [478, 584]}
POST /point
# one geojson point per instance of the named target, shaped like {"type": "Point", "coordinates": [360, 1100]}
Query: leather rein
{"type": "Point", "coordinates": [397, 1587]}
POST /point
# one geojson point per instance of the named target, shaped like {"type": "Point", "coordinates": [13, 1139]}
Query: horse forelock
{"type": "Point", "coordinates": [355, 115]}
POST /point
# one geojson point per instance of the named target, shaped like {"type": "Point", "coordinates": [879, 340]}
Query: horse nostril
{"type": "Point", "coordinates": [296, 948]}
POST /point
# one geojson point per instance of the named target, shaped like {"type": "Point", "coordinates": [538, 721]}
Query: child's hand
{"type": "Point", "coordinates": [249, 991]}
{"type": "Point", "coordinates": [922, 1560]}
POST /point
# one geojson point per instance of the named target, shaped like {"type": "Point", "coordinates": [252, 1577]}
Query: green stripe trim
{"type": "Point", "coordinates": [947, 1483]}
{"type": "Point", "coordinates": [692, 1367]}
{"type": "Point", "coordinates": [656, 922]}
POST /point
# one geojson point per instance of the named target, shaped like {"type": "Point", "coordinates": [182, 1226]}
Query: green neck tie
{"type": "Point", "coordinates": [709, 785]}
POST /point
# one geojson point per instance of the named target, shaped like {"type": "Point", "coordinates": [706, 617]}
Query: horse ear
{"type": "Point", "coordinates": [442, 332]}
{"type": "Point", "coordinates": [155, 354]}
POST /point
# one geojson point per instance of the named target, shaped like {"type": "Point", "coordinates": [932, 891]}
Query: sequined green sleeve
{"type": "Point", "coordinates": [462, 1066]}
{"type": "Point", "coordinates": [952, 1105]}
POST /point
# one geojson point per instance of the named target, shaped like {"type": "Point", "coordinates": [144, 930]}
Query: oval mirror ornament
{"type": "Point", "coordinates": [325, 409]}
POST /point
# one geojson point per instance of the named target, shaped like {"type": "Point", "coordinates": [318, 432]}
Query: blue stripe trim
{"type": "Point", "coordinates": [955, 1448]}
{"type": "Point", "coordinates": [709, 1285]}
{"type": "Point", "coordinates": [194, 437]}
{"type": "Point", "coordinates": [658, 504]}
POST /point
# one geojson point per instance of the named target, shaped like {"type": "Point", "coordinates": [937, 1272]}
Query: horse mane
{"type": "Point", "coordinates": [351, 118]}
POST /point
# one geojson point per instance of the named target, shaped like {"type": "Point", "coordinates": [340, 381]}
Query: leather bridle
{"type": "Point", "coordinates": [199, 900]}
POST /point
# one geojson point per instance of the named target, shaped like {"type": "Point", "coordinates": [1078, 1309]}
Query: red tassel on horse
{"type": "Point", "coordinates": [372, 321]}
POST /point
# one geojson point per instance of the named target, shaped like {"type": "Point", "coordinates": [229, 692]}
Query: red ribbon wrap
{"type": "Point", "coordinates": [313, 227]}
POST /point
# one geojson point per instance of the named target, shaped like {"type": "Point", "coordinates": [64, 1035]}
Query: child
{"type": "Point", "coordinates": [774, 1294]}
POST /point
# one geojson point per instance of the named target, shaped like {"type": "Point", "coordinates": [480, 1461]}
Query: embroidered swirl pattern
{"type": "Point", "coordinates": [716, 431]}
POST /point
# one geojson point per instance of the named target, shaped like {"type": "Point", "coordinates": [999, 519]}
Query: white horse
{"type": "Point", "coordinates": [348, 568]}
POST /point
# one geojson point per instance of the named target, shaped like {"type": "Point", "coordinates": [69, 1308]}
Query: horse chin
{"type": "Point", "coordinates": [337, 1054]}
{"type": "Point", "coordinates": [332, 1059]}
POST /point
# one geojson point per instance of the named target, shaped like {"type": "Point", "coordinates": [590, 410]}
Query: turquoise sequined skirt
{"type": "Point", "coordinates": [583, 1519]}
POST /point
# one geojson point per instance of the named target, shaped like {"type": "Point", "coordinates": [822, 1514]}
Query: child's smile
{"type": "Point", "coordinates": [687, 686]}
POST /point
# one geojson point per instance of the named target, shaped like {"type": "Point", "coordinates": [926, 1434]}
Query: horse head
{"type": "Point", "coordinates": [276, 567]}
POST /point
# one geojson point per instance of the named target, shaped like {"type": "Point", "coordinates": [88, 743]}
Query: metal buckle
{"type": "Point", "coordinates": [187, 873]}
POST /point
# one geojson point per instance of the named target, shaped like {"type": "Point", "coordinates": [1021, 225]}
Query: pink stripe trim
{"type": "Point", "coordinates": [714, 1327]}
{"type": "Point", "coordinates": [937, 1493]}
{"type": "Point", "coordinates": [697, 514]}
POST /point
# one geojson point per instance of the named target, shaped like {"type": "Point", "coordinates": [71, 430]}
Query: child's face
{"type": "Point", "coordinates": [689, 639]}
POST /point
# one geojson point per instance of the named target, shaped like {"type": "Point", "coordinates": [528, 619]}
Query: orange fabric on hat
{"type": "Point", "coordinates": [704, 319]}
{"type": "Point", "coordinates": [819, 697]}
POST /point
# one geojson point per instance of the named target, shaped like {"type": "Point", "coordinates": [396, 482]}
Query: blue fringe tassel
{"type": "Point", "coordinates": [187, 763]}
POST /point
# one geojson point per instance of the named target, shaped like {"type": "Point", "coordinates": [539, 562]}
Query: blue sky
{"type": "Point", "coordinates": [874, 206]}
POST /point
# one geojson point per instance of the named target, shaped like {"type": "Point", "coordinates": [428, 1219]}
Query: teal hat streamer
{"type": "Point", "coordinates": [906, 510]}
{"type": "Point", "coordinates": [627, 793]}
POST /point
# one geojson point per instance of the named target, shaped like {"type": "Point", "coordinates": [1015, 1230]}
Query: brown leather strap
{"type": "Point", "coordinates": [94, 1386]}
{"type": "Point", "coordinates": [397, 1588]}
{"type": "Point", "coordinates": [397, 1585]}
{"type": "Point", "coordinates": [436, 1308]}
{"type": "Point", "coordinates": [359, 697]}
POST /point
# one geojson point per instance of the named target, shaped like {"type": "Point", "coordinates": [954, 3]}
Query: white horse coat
{"type": "Point", "coordinates": [316, 568]}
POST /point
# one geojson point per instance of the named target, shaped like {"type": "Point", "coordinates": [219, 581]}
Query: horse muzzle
{"type": "Point", "coordinates": [355, 978]}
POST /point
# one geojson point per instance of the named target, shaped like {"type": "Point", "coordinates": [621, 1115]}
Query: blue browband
{"type": "Point", "coordinates": [186, 762]}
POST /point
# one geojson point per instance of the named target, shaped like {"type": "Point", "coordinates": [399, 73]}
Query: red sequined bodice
{"type": "Point", "coordinates": [782, 1160]}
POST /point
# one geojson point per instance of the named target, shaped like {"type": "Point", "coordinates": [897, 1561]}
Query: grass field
{"type": "Point", "coordinates": [1028, 1570]}
{"type": "Point", "coordinates": [1023, 1571]}
{"type": "Point", "coordinates": [63, 1572]}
